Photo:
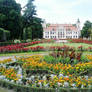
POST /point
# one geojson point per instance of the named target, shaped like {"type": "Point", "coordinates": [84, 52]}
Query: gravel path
{"type": "Point", "coordinates": [13, 57]}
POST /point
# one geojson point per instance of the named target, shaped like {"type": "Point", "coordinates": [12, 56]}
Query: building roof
{"type": "Point", "coordinates": [68, 27]}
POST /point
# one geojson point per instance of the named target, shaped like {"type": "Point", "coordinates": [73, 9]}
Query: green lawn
{"type": "Point", "coordinates": [61, 44]}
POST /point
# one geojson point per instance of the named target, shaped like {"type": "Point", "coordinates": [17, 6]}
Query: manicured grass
{"type": "Point", "coordinates": [23, 53]}
{"type": "Point", "coordinates": [61, 44]}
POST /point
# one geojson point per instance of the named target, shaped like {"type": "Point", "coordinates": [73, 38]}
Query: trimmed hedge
{"type": "Point", "coordinates": [22, 88]}
{"type": "Point", "coordinates": [4, 34]}
{"type": "Point", "coordinates": [6, 43]}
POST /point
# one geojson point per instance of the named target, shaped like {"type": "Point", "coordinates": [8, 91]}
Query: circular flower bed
{"type": "Point", "coordinates": [34, 74]}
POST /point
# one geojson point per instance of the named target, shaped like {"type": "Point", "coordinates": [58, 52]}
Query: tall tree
{"type": "Point", "coordinates": [30, 20]}
{"type": "Point", "coordinates": [10, 17]}
{"type": "Point", "coordinates": [85, 31]}
{"type": "Point", "coordinates": [90, 31]}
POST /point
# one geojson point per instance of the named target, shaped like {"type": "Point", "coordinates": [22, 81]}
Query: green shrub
{"type": "Point", "coordinates": [51, 59]}
{"type": "Point", "coordinates": [4, 34]}
{"type": "Point", "coordinates": [28, 40]}
{"type": "Point", "coordinates": [84, 59]}
{"type": "Point", "coordinates": [17, 41]}
{"type": "Point", "coordinates": [6, 43]}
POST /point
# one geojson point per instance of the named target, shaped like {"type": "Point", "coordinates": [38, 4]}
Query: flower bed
{"type": "Point", "coordinates": [80, 41]}
{"type": "Point", "coordinates": [35, 74]}
{"type": "Point", "coordinates": [22, 47]}
{"type": "Point", "coordinates": [5, 61]}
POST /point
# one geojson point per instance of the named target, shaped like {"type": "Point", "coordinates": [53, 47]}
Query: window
{"type": "Point", "coordinates": [53, 29]}
{"type": "Point", "coordinates": [51, 37]}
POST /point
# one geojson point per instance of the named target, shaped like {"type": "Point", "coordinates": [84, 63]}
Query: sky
{"type": "Point", "coordinates": [63, 11]}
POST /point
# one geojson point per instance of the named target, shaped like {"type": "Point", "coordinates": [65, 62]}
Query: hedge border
{"type": "Point", "coordinates": [22, 88]}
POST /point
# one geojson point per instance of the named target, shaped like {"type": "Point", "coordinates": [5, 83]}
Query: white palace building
{"type": "Point", "coordinates": [61, 31]}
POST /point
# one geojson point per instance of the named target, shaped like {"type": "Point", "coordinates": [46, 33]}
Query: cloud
{"type": "Point", "coordinates": [63, 11]}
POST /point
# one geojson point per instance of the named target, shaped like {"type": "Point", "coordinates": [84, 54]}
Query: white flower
{"type": "Point", "coordinates": [82, 86]}
{"type": "Point", "coordinates": [12, 80]}
{"type": "Point", "coordinates": [73, 85]}
{"type": "Point", "coordinates": [46, 85]}
{"type": "Point", "coordinates": [38, 77]}
{"type": "Point", "coordinates": [32, 77]}
{"type": "Point", "coordinates": [66, 76]}
{"type": "Point", "coordinates": [66, 84]}
{"type": "Point", "coordinates": [19, 81]}
{"type": "Point", "coordinates": [61, 75]}
{"type": "Point", "coordinates": [2, 77]}
{"type": "Point", "coordinates": [86, 77]}
{"type": "Point", "coordinates": [59, 84]}
{"type": "Point", "coordinates": [52, 76]}
{"type": "Point", "coordinates": [40, 84]}
{"type": "Point", "coordinates": [44, 77]}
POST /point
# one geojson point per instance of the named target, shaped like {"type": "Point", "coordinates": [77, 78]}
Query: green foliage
{"type": "Point", "coordinates": [67, 60]}
{"type": "Point", "coordinates": [85, 32]}
{"type": "Point", "coordinates": [4, 34]}
{"type": "Point", "coordinates": [32, 24]}
{"type": "Point", "coordinates": [12, 20]}
{"type": "Point", "coordinates": [51, 59]}
{"type": "Point", "coordinates": [6, 43]}
{"type": "Point", "coordinates": [10, 17]}
{"type": "Point", "coordinates": [37, 30]}
{"type": "Point", "coordinates": [65, 57]}
{"type": "Point", "coordinates": [28, 40]}
{"type": "Point", "coordinates": [84, 59]}
{"type": "Point", "coordinates": [29, 11]}
{"type": "Point", "coordinates": [90, 30]}
{"type": "Point", "coordinates": [17, 41]}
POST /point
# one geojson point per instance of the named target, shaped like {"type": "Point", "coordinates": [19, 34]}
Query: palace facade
{"type": "Point", "coordinates": [61, 31]}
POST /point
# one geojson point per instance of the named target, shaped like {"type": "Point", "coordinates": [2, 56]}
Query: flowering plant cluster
{"type": "Point", "coordinates": [56, 48]}
{"type": "Point", "coordinates": [5, 61]}
{"type": "Point", "coordinates": [9, 74]}
{"type": "Point", "coordinates": [81, 41]}
{"type": "Point", "coordinates": [89, 57]}
{"type": "Point", "coordinates": [17, 48]}
{"type": "Point", "coordinates": [79, 68]}
{"type": "Point", "coordinates": [22, 47]}
{"type": "Point", "coordinates": [57, 81]}
{"type": "Point", "coordinates": [59, 75]}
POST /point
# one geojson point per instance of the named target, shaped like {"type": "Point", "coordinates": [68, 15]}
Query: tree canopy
{"type": "Point", "coordinates": [11, 19]}
{"type": "Point", "coordinates": [30, 20]}
{"type": "Point", "coordinates": [86, 31]}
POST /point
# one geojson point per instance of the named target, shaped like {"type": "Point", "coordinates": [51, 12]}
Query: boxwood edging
{"type": "Point", "coordinates": [22, 88]}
